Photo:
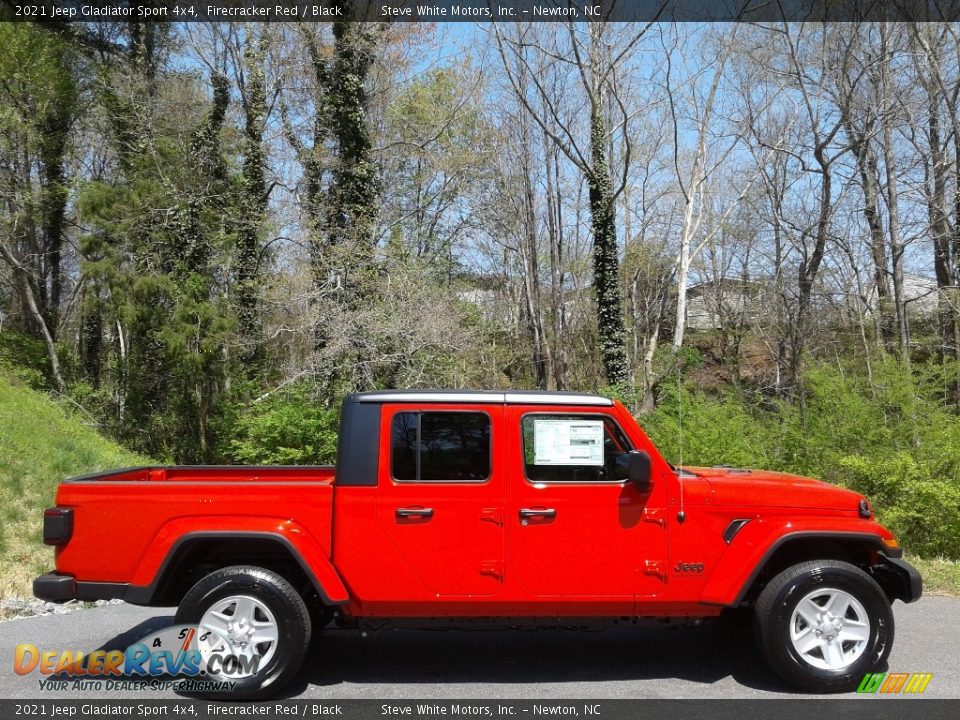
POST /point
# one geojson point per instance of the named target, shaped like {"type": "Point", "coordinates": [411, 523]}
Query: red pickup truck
{"type": "Point", "coordinates": [486, 509]}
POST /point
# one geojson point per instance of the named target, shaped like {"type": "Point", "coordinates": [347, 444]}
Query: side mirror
{"type": "Point", "coordinates": [639, 470]}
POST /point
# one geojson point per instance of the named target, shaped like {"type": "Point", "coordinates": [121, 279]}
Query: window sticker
{"type": "Point", "coordinates": [568, 442]}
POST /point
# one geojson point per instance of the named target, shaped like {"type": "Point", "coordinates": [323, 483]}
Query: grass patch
{"type": "Point", "coordinates": [41, 443]}
{"type": "Point", "coordinates": [940, 576]}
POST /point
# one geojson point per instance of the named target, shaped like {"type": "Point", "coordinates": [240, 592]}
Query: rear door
{"type": "Point", "coordinates": [578, 528]}
{"type": "Point", "coordinates": [441, 502]}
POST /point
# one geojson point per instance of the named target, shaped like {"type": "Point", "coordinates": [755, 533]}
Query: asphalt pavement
{"type": "Point", "coordinates": [718, 660]}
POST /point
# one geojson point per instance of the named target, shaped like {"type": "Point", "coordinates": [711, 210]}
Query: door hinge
{"type": "Point", "coordinates": [655, 515]}
{"type": "Point", "coordinates": [492, 568]}
{"type": "Point", "coordinates": [491, 515]}
{"type": "Point", "coordinates": [654, 567]}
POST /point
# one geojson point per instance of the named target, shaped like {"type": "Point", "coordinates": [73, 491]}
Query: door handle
{"type": "Point", "coordinates": [526, 514]}
{"type": "Point", "coordinates": [414, 513]}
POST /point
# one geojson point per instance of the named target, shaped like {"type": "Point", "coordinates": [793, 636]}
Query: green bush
{"type": "Point", "coordinates": [289, 427]}
{"type": "Point", "coordinates": [923, 511]}
{"type": "Point", "coordinates": [695, 429]}
{"type": "Point", "coordinates": [887, 434]}
{"type": "Point", "coordinates": [24, 358]}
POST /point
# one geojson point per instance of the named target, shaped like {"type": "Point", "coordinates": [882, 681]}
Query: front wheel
{"type": "Point", "coordinates": [822, 625]}
{"type": "Point", "coordinates": [255, 623]}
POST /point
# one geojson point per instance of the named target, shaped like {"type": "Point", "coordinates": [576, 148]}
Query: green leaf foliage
{"type": "Point", "coordinates": [885, 434]}
{"type": "Point", "coordinates": [290, 427]}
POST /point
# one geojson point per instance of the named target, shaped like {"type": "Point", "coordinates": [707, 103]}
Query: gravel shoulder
{"type": "Point", "coordinates": [20, 608]}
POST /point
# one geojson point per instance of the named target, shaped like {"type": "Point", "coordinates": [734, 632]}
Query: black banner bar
{"type": "Point", "coordinates": [848, 708]}
{"type": "Point", "coordinates": [61, 11]}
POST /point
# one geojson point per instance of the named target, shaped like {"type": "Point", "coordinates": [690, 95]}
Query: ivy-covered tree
{"type": "Point", "coordinates": [251, 198]}
{"type": "Point", "coordinates": [159, 224]}
{"type": "Point", "coordinates": [341, 206]}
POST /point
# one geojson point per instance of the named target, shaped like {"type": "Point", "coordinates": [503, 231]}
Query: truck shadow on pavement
{"type": "Point", "coordinates": [706, 655]}
{"type": "Point", "coordinates": [138, 632]}
{"type": "Point", "coordinates": [620, 654]}
{"type": "Point", "coordinates": [128, 638]}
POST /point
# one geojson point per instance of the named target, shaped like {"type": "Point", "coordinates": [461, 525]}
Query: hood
{"type": "Point", "coordinates": [762, 488]}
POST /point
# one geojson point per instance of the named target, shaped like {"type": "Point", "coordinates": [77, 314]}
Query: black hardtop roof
{"type": "Point", "coordinates": [508, 397]}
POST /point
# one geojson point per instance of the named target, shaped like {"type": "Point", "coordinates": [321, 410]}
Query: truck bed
{"type": "Point", "coordinates": [127, 521]}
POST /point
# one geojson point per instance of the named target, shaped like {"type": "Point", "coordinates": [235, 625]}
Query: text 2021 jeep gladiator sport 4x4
{"type": "Point", "coordinates": [488, 509]}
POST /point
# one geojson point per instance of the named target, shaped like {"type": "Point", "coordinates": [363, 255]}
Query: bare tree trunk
{"type": "Point", "coordinates": [946, 249]}
{"type": "Point", "coordinates": [781, 293]}
{"type": "Point", "coordinates": [531, 276]}
{"type": "Point", "coordinates": [649, 376]}
{"type": "Point", "coordinates": [893, 202]}
{"type": "Point", "coordinates": [859, 114]}
{"type": "Point", "coordinates": [867, 170]}
{"type": "Point", "coordinates": [27, 285]}
{"type": "Point", "coordinates": [692, 193]}
{"type": "Point", "coordinates": [822, 137]}
{"type": "Point", "coordinates": [809, 268]}
{"type": "Point", "coordinates": [555, 237]}
{"type": "Point", "coordinates": [686, 236]}
{"type": "Point", "coordinates": [775, 198]}
{"type": "Point", "coordinates": [878, 251]}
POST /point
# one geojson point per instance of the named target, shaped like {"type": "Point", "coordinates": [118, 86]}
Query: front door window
{"type": "Point", "coordinates": [573, 448]}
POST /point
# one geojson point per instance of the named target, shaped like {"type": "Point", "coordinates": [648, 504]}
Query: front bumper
{"type": "Point", "coordinates": [910, 583]}
{"type": "Point", "coordinates": [58, 588]}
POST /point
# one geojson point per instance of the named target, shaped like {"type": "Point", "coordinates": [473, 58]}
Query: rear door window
{"type": "Point", "coordinates": [440, 447]}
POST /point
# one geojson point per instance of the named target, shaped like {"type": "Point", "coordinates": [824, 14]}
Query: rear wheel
{"type": "Point", "coordinates": [822, 625]}
{"type": "Point", "coordinates": [255, 616]}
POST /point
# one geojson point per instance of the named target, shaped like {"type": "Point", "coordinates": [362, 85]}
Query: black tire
{"type": "Point", "coordinates": [774, 614]}
{"type": "Point", "coordinates": [288, 609]}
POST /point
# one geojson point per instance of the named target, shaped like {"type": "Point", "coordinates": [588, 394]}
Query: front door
{"type": "Point", "coordinates": [441, 503]}
{"type": "Point", "coordinates": [578, 527]}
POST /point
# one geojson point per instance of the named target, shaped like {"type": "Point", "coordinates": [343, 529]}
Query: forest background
{"type": "Point", "coordinates": [209, 233]}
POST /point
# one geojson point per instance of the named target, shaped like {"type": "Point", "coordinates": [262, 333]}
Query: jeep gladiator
{"type": "Point", "coordinates": [486, 510]}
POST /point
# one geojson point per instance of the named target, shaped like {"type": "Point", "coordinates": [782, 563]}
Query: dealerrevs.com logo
{"type": "Point", "coordinates": [894, 683]}
{"type": "Point", "coordinates": [185, 657]}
